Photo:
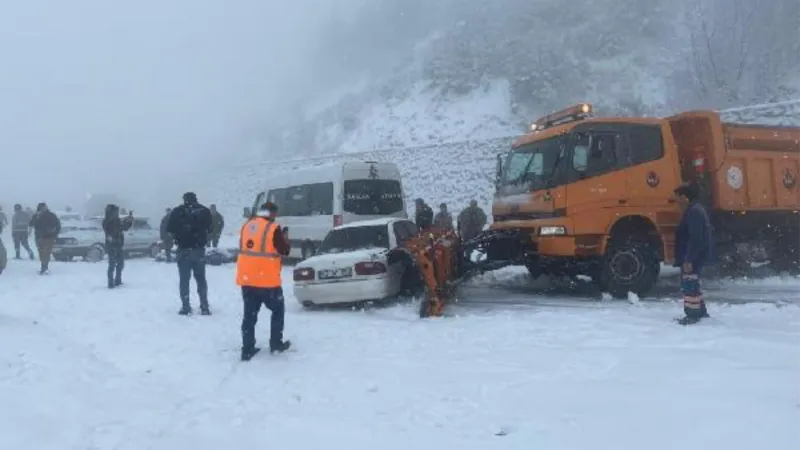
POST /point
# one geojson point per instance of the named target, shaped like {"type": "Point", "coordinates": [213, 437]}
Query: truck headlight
{"type": "Point", "coordinates": [552, 231]}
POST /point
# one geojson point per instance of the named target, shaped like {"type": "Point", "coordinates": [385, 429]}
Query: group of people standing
{"type": "Point", "coordinates": [45, 225]}
{"type": "Point", "coordinates": [469, 223]}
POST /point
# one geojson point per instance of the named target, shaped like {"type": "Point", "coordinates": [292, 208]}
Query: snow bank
{"type": "Point", "coordinates": [119, 369]}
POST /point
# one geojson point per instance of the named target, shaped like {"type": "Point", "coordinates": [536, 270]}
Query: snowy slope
{"type": "Point", "coordinates": [120, 370]}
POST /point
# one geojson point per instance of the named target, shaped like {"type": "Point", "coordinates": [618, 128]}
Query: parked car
{"type": "Point", "coordinates": [68, 217]}
{"type": "Point", "coordinates": [356, 263]}
{"type": "Point", "coordinates": [86, 240]}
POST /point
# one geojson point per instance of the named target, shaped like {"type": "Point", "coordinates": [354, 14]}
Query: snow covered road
{"type": "Point", "coordinates": [82, 367]}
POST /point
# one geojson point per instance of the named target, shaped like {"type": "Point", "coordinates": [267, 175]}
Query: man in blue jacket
{"type": "Point", "coordinates": [694, 243]}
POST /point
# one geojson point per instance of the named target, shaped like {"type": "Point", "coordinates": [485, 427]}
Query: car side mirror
{"type": "Point", "coordinates": [246, 213]}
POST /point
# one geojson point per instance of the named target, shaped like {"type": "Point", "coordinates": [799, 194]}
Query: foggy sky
{"type": "Point", "coordinates": [100, 96]}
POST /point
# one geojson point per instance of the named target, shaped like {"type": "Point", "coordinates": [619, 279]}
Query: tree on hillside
{"type": "Point", "coordinates": [738, 49]}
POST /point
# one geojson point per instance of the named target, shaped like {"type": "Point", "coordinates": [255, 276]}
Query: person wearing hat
{"type": "Point", "coordinates": [424, 215]}
{"type": "Point", "coordinates": [694, 242]}
{"type": "Point", "coordinates": [190, 225]}
{"type": "Point", "coordinates": [262, 245]}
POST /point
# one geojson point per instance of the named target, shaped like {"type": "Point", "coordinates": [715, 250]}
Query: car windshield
{"type": "Point", "coordinates": [355, 238]}
{"type": "Point", "coordinates": [533, 165]}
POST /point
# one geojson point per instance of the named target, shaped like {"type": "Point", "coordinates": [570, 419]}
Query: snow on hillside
{"type": "Point", "coordinates": [121, 370]}
{"type": "Point", "coordinates": [423, 117]}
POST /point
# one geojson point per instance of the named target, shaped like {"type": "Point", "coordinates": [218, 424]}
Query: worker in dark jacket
{"type": "Point", "coordinates": [694, 243]}
{"type": "Point", "coordinates": [443, 219]}
{"type": "Point", "coordinates": [115, 229]}
{"type": "Point", "coordinates": [190, 225]}
{"type": "Point", "coordinates": [262, 246]}
{"type": "Point", "coordinates": [424, 215]}
{"type": "Point", "coordinates": [217, 225]}
{"type": "Point", "coordinates": [20, 226]}
{"type": "Point", "coordinates": [46, 227]}
{"type": "Point", "coordinates": [166, 238]}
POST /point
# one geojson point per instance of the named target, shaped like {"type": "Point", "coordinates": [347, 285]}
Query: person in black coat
{"type": "Point", "coordinates": [46, 227]}
{"type": "Point", "coordinates": [115, 229]}
{"type": "Point", "coordinates": [694, 244]}
{"type": "Point", "coordinates": [424, 215]}
{"type": "Point", "coordinates": [190, 226]}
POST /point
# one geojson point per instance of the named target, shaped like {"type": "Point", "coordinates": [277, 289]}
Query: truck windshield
{"type": "Point", "coordinates": [533, 165]}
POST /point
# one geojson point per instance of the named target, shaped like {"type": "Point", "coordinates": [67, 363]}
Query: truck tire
{"type": "Point", "coordinates": [630, 266]}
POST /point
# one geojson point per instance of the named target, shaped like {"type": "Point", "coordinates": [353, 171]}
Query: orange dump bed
{"type": "Point", "coordinates": [751, 167]}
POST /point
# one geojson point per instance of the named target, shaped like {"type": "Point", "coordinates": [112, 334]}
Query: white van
{"type": "Point", "coordinates": [312, 201]}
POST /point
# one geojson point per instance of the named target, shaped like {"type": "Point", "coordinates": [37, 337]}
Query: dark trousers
{"type": "Point", "coordinates": [21, 240]}
{"type": "Point", "coordinates": [167, 244]}
{"type": "Point", "coordinates": [45, 247]}
{"type": "Point", "coordinates": [253, 298]}
{"type": "Point", "coordinates": [192, 262]}
{"type": "Point", "coordinates": [116, 262]}
{"type": "Point", "coordinates": [693, 304]}
{"type": "Point", "coordinates": [213, 241]}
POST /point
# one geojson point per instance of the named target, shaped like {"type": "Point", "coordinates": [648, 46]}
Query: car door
{"type": "Point", "coordinates": [596, 157]}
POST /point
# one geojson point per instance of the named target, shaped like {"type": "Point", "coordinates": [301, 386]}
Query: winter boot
{"type": "Point", "coordinates": [185, 310]}
{"type": "Point", "coordinates": [111, 284]}
{"type": "Point", "coordinates": [247, 354]}
{"type": "Point", "coordinates": [205, 311]}
{"type": "Point", "coordinates": [279, 347]}
{"type": "Point", "coordinates": [117, 282]}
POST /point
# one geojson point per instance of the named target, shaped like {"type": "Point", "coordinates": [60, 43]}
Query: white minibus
{"type": "Point", "coordinates": [312, 201]}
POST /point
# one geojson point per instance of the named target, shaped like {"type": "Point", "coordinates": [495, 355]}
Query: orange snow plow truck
{"type": "Point", "coordinates": [585, 195]}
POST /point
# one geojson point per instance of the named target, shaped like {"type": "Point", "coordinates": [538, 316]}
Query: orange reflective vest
{"type": "Point", "coordinates": [259, 263]}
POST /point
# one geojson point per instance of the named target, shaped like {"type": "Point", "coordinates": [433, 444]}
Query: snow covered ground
{"type": "Point", "coordinates": [82, 367]}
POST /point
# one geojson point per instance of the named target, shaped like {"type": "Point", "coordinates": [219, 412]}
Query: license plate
{"type": "Point", "coordinates": [331, 274]}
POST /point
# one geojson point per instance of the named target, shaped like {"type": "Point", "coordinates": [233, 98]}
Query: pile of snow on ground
{"type": "Point", "coordinates": [120, 369]}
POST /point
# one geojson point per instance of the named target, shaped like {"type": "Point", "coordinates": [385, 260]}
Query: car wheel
{"type": "Point", "coordinates": [95, 254]}
{"type": "Point", "coordinates": [154, 250]}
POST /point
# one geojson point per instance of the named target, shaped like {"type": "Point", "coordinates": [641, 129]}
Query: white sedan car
{"type": "Point", "coordinates": [352, 264]}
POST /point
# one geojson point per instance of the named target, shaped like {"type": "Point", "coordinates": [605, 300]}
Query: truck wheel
{"type": "Point", "coordinates": [631, 266]}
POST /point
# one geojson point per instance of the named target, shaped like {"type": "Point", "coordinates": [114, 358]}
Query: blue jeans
{"type": "Point", "coordinates": [192, 261]}
{"type": "Point", "coordinates": [253, 298]}
{"type": "Point", "coordinates": [116, 262]}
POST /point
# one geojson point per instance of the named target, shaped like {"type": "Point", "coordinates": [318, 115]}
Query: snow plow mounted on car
{"type": "Point", "coordinates": [585, 195]}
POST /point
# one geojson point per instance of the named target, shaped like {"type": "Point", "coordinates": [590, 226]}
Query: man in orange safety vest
{"type": "Point", "coordinates": [262, 244]}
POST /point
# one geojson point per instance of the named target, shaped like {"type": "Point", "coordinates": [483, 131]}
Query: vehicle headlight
{"type": "Point", "coordinates": [552, 231]}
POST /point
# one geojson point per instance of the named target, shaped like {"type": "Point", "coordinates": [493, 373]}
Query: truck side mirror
{"type": "Point", "coordinates": [498, 171]}
{"type": "Point", "coordinates": [246, 213]}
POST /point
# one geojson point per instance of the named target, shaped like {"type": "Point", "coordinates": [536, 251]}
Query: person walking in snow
{"type": "Point", "coordinates": [443, 218]}
{"type": "Point", "coordinates": [262, 244]}
{"type": "Point", "coordinates": [3, 219]}
{"type": "Point", "coordinates": [20, 226]}
{"type": "Point", "coordinates": [424, 215]}
{"type": "Point", "coordinates": [46, 227]}
{"type": "Point", "coordinates": [217, 225]}
{"type": "Point", "coordinates": [693, 250]}
{"type": "Point", "coordinates": [166, 238]}
{"type": "Point", "coordinates": [190, 225]}
{"type": "Point", "coordinates": [115, 229]}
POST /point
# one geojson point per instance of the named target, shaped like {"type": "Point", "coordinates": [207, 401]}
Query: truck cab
{"type": "Point", "coordinates": [594, 196]}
